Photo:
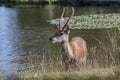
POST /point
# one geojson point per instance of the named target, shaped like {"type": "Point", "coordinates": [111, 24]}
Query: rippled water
{"type": "Point", "coordinates": [26, 29]}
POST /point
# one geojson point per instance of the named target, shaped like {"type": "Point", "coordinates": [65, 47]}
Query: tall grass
{"type": "Point", "coordinates": [105, 55]}
{"type": "Point", "coordinates": [111, 73]}
{"type": "Point", "coordinates": [103, 63]}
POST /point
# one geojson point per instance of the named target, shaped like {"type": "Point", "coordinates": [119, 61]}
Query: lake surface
{"type": "Point", "coordinates": [25, 31]}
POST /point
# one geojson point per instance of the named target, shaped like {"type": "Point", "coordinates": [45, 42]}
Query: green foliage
{"type": "Point", "coordinates": [50, 1]}
{"type": "Point", "coordinates": [92, 21]}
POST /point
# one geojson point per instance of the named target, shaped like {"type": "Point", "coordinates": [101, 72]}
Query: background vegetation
{"type": "Point", "coordinates": [43, 2]}
{"type": "Point", "coordinates": [62, 2]}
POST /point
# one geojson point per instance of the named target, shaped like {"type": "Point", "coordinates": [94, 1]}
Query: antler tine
{"type": "Point", "coordinates": [70, 16]}
{"type": "Point", "coordinates": [63, 11]}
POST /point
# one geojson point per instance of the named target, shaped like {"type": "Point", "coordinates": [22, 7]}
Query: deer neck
{"type": "Point", "coordinates": [67, 48]}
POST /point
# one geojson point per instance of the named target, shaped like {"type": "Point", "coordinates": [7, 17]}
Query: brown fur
{"type": "Point", "coordinates": [79, 48]}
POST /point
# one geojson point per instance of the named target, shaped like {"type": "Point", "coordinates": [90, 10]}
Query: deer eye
{"type": "Point", "coordinates": [61, 33]}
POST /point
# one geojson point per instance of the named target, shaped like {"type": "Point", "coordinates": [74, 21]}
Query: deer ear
{"type": "Point", "coordinates": [66, 29]}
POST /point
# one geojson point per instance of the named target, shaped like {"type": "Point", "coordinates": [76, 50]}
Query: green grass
{"type": "Point", "coordinates": [111, 73]}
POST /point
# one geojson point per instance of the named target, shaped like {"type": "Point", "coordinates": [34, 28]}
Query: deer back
{"type": "Point", "coordinates": [79, 48]}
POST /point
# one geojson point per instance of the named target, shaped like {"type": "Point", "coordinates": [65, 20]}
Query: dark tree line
{"type": "Point", "coordinates": [64, 2]}
{"type": "Point", "coordinates": [59, 2]}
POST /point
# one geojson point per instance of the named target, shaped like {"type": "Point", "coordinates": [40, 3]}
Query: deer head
{"type": "Point", "coordinates": [62, 33]}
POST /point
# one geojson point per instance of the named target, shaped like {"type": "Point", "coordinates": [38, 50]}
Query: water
{"type": "Point", "coordinates": [9, 41]}
{"type": "Point", "coordinates": [26, 29]}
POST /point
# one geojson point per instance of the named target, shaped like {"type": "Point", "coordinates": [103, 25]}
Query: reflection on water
{"type": "Point", "coordinates": [8, 38]}
{"type": "Point", "coordinates": [25, 29]}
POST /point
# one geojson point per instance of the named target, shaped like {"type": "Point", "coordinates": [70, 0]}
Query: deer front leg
{"type": "Point", "coordinates": [66, 62]}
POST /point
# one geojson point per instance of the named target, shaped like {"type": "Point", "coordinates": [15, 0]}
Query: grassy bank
{"type": "Point", "coordinates": [111, 73]}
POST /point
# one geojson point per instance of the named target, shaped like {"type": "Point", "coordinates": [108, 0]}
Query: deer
{"type": "Point", "coordinates": [74, 52]}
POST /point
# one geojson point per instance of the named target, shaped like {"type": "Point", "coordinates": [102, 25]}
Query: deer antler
{"type": "Point", "coordinates": [61, 17]}
{"type": "Point", "coordinates": [69, 17]}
